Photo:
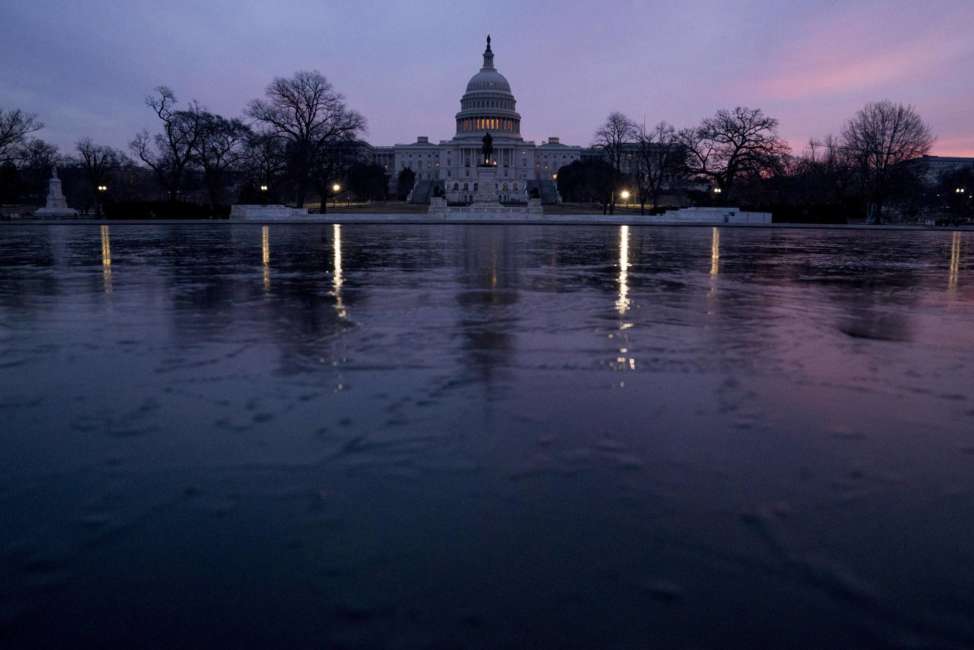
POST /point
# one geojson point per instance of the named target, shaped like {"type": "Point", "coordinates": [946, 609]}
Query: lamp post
{"type": "Point", "coordinates": [624, 194]}
{"type": "Point", "coordinates": [101, 189]}
{"type": "Point", "coordinates": [335, 189]}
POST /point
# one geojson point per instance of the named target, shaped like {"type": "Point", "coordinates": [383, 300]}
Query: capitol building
{"type": "Point", "coordinates": [450, 167]}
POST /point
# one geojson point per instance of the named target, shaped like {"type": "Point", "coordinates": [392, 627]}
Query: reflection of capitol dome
{"type": "Point", "coordinates": [488, 105]}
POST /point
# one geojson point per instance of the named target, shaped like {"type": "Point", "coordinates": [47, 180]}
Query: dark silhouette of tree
{"type": "Point", "coordinates": [956, 191]}
{"type": "Point", "coordinates": [219, 150]}
{"type": "Point", "coordinates": [733, 145]}
{"type": "Point", "coordinates": [405, 182]}
{"type": "Point", "coordinates": [15, 126]}
{"type": "Point", "coordinates": [332, 165]}
{"type": "Point", "coordinates": [311, 117]}
{"type": "Point", "coordinates": [169, 154]}
{"type": "Point", "coordinates": [881, 137]}
{"type": "Point", "coordinates": [660, 162]}
{"type": "Point", "coordinates": [36, 159]}
{"type": "Point", "coordinates": [367, 181]}
{"type": "Point", "coordinates": [587, 181]}
{"type": "Point", "coordinates": [98, 162]}
{"type": "Point", "coordinates": [265, 164]}
{"type": "Point", "coordinates": [615, 138]}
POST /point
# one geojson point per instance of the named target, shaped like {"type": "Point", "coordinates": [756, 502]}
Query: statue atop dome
{"type": "Point", "coordinates": [488, 56]}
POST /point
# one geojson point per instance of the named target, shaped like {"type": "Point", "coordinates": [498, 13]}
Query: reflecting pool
{"type": "Point", "coordinates": [471, 436]}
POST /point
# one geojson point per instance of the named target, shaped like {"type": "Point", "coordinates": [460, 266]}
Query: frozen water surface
{"type": "Point", "coordinates": [472, 436]}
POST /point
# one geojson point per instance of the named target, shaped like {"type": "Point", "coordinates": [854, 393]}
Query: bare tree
{"type": "Point", "coordinates": [35, 159]}
{"type": "Point", "coordinates": [878, 139]}
{"type": "Point", "coordinates": [660, 161]}
{"type": "Point", "coordinates": [15, 126]}
{"type": "Point", "coordinates": [311, 117]}
{"type": "Point", "coordinates": [98, 162]}
{"type": "Point", "coordinates": [264, 158]}
{"type": "Point", "coordinates": [614, 138]}
{"type": "Point", "coordinates": [219, 150]}
{"type": "Point", "coordinates": [171, 152]}
{"type": "Point", "coordinates": [734, 144]}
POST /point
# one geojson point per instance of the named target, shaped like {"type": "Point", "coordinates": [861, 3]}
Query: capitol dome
{"type": "Point", "coordinates": [488, 106]}
{"type": "Point", "coordinates": [488, 80]}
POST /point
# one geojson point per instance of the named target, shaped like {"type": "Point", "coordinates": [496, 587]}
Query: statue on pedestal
{"type": "Point", "coordinates": [487, 150]}
{"type": "Point", "coordinates": [56, 205]}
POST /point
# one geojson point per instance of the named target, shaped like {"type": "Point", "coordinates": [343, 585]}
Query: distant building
{"type": "Point", "coordinates": [487, 106]}
{"type": "Point", "coordinates": [932, 168]}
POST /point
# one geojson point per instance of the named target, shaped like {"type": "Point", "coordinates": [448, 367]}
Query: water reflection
{"type": "Point", "coordinates": [622, 304]}
{"type": "Point", "coordinates": [715, 252]}
{"type": "Point", "coordinates": [954, 269]}
{"type": "Point", "coordinates": [106, 259]}
{"type": "Point", "coordinates": [265, 255]}
{"type": "Point", "coordinates": [336, 271]}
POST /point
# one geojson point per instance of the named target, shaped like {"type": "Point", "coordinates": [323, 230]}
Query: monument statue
{"type": "Point", "coordinates": [487, 150]}
{"type": "Point", "coordinates": [55, 206]}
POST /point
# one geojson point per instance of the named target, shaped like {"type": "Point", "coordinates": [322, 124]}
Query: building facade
{"type": "Point", "coordinates": [524, 169]}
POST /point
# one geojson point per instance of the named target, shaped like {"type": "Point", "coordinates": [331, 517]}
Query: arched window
{"type": "Point", "coordinates": [456, 186]}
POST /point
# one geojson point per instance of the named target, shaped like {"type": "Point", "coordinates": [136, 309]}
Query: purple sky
{"type": "Point", "coordinates": [85, 67]}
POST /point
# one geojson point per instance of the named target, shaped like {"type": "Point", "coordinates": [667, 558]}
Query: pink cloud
{"type": "Point", "coordinates": [847, 53]}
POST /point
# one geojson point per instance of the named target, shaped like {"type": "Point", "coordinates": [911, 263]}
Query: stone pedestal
{"type": "Point", "coordinates": [486, 192]}
{"type": "Point", "coordinates": [56, 205]}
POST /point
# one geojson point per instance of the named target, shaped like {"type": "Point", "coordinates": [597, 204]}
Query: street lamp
{"type": "Point", "coordinates": [263, 188]}
{"type": "Point", "coordinates": [102, 188]}
{"type": "Point", "coordinates": [717, 190]}
{"type": "Point", "coordinates": [625, 196]}
{"type": "Point", "coordinates": [960, 190]}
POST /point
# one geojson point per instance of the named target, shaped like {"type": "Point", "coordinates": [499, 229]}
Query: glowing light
{"type": "Point", "coordinates": [336, 271]}
{"type": "Point", "coordinates": [715, 252]}
{"type": "Point", "coordinates": [336, 188]}
{"type": "Point", "coordinates": [717, 190]}
{"type": "Point", "coordinates": [263, 188]}
{"type": "Point", "coordinates": [625, 195]}
{"type": "Point", "coordinates": [953, 270]}
{"type": "Point", "coordinates": [960, 190]}
{"type": "Point", "coordinates": [622, 304]}
{"type": "Point", "coordinates": [102, 188]}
